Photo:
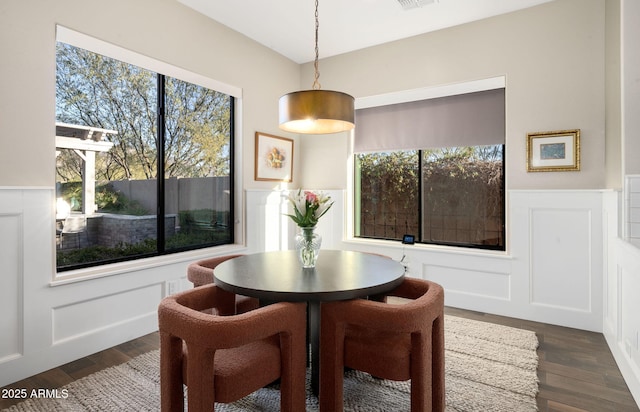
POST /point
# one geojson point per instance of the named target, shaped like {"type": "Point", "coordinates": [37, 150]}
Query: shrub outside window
{"type": "Point", "coordinates": [449, 196]}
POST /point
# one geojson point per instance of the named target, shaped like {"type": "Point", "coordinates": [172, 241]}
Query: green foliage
{"type": "Point", "coordinates": [202, 219]}
{"type": "Point", "coordinates": [463, 185]}
{"type": "Point", "coordinates": [183, 239]}
{"type": "Point", "coordinates": [98, 91]}
{"type": "Point", "coordinates": [389, 193]}
{"type": "Point", "coordinates": [71, 192]}
{"type": "Point", "coordinates": [462, 195]}
{"type": "Point", "coordinates": [198, 130]}
{"type": "Point", "coordinates": [112, 201]}
{"type": "Point", "coordinates": [309, 207]}
{"type": "Point", "coordinates": [107, 199]}
{"type": "Point", "coordinates": [102, 253]}
{"type": "Point", "coordinates": [198, 237]}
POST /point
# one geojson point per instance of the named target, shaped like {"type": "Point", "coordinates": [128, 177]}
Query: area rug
{"type": "Point", "coordinates": [488, 368]}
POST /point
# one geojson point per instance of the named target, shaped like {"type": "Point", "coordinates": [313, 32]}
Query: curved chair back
{"type": "Point", "coordinates": [389, 341]}
{"type": "Point", "coordinates": [201, 273]}
{"type": "Point", "coordinates": [225, 358]}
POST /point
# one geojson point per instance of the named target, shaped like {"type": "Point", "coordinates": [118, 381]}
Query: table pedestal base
{"type": "Point", "coordinates": [313, 309]}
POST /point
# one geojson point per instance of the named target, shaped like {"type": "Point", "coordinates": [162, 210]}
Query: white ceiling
{"type": "Point", "coordinates": [287, 26]}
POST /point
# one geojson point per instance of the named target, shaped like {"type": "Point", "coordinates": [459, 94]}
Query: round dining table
{"type": "Point", "coordinates": [338, 275]}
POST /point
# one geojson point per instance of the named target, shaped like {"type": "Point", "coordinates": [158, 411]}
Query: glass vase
{"type": "Point", "coordinates": [308, 246]}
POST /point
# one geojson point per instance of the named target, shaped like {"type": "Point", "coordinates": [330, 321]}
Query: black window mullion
{"type": "Point", "coordinates": [232, 191]}
{"type": "Point", "coordinates": [504, 198]}
{"type": "Point", "coordinates": [420, 205]}
{"type": "Point", "coordinates": [160, 162]}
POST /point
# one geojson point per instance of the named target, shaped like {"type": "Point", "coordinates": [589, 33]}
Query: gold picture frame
{"type": "Point", "coordinates": [274, 158]}
{"type": "Point", "coordinates": [557, 151]}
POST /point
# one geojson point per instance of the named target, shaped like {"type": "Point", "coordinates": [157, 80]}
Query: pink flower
{"type": "Point", "coordinates": [308, 207]}
{"type": "Point", "coordinates": [311, 197]}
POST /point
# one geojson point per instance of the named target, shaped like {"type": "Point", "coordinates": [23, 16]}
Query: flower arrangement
{"type": "Point", "coordinates": [309, 207]}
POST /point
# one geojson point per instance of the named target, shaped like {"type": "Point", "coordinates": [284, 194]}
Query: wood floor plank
{"type": "Point", "coordinates": [559, 407]}
{"type": "Point", "coordinates": [576, 369]}
{"type": "Point", "coordinates": [590, 389]}
{"type": "Point", "coordinates": [563, 370]}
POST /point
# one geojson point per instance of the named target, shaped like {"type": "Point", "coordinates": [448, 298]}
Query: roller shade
{"type": "Point", "coordinates": [471, 119]}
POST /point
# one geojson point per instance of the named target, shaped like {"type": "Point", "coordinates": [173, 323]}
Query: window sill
{"type": "Point", "coordinates": [96, 272]}
{"type": "Point", "coordinates": [422, 247]}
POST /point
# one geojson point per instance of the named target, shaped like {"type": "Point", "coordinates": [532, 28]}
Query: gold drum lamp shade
{"type": "Point", "coordinates": [316, 112]}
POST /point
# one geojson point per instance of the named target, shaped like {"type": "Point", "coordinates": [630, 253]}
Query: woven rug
{"type": "Point", "coordinates": [488, 368]}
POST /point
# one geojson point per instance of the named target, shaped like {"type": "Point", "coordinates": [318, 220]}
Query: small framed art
{"type": "Point", "coordinates": [274, 158]}
{"type": "Point", "coordinates": [557, 151]}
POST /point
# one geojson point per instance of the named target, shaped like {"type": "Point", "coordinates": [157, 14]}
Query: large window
{"type": "Point", "coordinates": [450, 196]}
{"type": "Point", "coordinates": [433, 169]}
{"type": "Point", "coordinates": [144, 161]}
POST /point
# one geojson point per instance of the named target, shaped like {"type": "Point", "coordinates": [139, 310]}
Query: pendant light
{"type": "Point", "coordinates": [316, 111]}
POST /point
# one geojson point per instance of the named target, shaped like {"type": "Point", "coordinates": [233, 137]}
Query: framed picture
{"type": "Point", "coordinates": [557, 151]}
{"type": "Point", "coordinates": [274, 158]}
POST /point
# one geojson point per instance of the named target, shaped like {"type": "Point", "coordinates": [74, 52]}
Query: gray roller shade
{"type": "Point", "coordinates": [471, 119]}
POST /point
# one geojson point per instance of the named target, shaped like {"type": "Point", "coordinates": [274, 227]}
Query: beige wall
{"type": "Point", "coordinates": [553, 58]}
{"type": "Point", "coordinates": [161, 29]}
{"type": "Point", "coordinates": [631, 85]}
{"type": "Point", "coordinates": [613, 110]}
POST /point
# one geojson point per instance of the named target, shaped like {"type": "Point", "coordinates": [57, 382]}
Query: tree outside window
{"type": "Point", "coordinates": [171, 158]}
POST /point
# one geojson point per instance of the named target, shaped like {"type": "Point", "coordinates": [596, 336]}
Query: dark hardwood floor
{"type": "Point", "coordinates": [576, 369]}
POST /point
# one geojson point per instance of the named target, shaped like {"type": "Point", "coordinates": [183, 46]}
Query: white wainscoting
{"type": "Point", "coordinates": [44, 323]}
{"type": "Point", "coordinates": [269, 228]}
{"type": "Point", "coordinates": [68, 319]}
{"type": "Point", "coordinates": [560, 243]}
{"type": "Point", "coordinates": [556, 240]}
{"type": "Point", "coordinates": [267, 224]}
{"type": "Point", "coordinates": [552, 271]}
{"type": "Point", "coordinates": [12, 279]}
{"type": "Point", "coordinates": [622, 324]}
{"type": "Point", "coordinates": [621, 303]}
{"type": "Point", "coordinates": [469, 279]}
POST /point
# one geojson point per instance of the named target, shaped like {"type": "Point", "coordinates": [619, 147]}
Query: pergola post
{"type": "Point", "coordinates": [89, 183]}
{"type": "Point", "coordinates": [85, 141]}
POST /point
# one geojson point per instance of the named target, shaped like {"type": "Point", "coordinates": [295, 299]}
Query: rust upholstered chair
{"type": "Point", "coordinates": [201, 273]}
{"type": "Point", "coordinates": [389, 341]}
{"type": "Point", "coordinates": [225, 358]}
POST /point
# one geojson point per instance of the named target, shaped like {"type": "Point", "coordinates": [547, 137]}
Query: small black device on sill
{"type": "Point", "coordinates": [408, 239]}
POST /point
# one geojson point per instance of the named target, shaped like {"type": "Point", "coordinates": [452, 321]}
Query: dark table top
{"type": "Point", "coordinates": [338, 275]}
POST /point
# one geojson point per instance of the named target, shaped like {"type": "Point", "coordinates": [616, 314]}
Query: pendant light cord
{"type": "Point", "coordinates": [316, 111]}
{"type": "Point", "coordinates": [316, 83]}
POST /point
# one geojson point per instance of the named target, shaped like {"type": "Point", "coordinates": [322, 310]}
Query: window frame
{"type": "Point", "coordinates": [419, 206]}
{"type": "Point", "coordinates": [405, 96]}
{"type": "Point", "coordinates": [65, 275]}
